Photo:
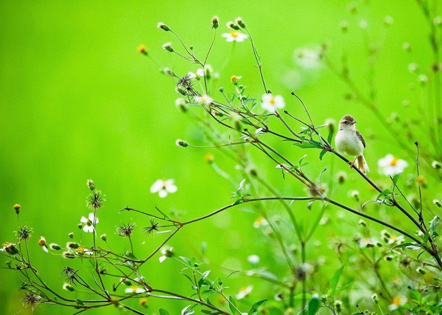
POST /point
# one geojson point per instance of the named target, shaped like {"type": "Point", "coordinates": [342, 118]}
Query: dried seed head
{"type": "Point", "coordinates": [239, 21]}
{"type": "Point", "coordinates": [232, 25]}
{"type": "Point", "coordinates": [68, 255]}
{"type": "Point", "coordinates": [215, 22]}
{"type": "Point", "coordinates": [17, 208]}
{"type": "Point", "coordinates": [163, 26]}
{"type": "Point", "coordinates": [181, 143]}
{"type": "Point", "coordinates": [54, 246]}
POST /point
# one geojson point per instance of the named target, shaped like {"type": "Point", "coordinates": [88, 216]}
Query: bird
{"type": "Point", "coordinates": [349, 141]}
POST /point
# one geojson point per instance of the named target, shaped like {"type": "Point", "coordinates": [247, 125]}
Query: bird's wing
{"type": "Point", "coordinates": [360, 137]}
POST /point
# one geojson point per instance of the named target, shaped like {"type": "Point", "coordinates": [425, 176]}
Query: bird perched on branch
{"type": "Point", "coordinates": [348, 140]}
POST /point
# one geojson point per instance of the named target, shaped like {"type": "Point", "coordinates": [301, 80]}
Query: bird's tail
{"type": "Point", "coordinates": [362, 164]}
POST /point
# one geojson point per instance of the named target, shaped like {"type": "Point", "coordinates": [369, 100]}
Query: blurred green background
{"type": "Point", "coordinates": [78, 102]}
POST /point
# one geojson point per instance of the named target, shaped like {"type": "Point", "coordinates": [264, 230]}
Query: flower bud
{"type": "Point", "coordinates": [163, 26]}
{"type": "Point", "coordinates": [232, 25]}
{"type": "Point", "coordinates": [362, 223]}
{"type": "Point", "coordinates": [235, 78]}
{"type": "Point", "coordinates": [420, 270]}
{"type": "Point", "coordinates": [17, 208]}
{"type": "Point", "coordinates": [72, 245]}
{"type": "Point", "coordinates": [215, 22]}
{"type": "Point", "coordinates": [436, 165]}
{"type": "Point", "coordinates": [168, 46]}
{"type": "Point", "coordinates": [355, 194]}
{"type": "Point", "coordinates": [342, 177]}
{"type": "Point", "coordinates": [80, 225]}
{"type": "Point", "coordinates": [90, 183]}
{"type": "Point", "coordinates": [71, 235]}
{"type": "Point", "coordinates": [143, 302]}
{"type": "Point", "coordinates": [103, 237]}
{"type": "Point", "coordinates": [388, 258]}
{"type": "Point", "coordinates": [344, 26]}
{"type": "Point", "coordinates": [239, 21]}
{"type": "Point", "coordinates": [375, 298]}
{"type": "Point", "coordinates": [406, 46]}
{"type": "Point", "coordinates": [68, 255]}
{"type": "Point", "coordinates": [54, 246]}
{"type": "Point", "coordinates": [388, 21]}
{"type": "Point", "coordinates": [142, 50]}
{"type": "Point", "coordinates": [209, 158]}
{"type": "Point", "coordinates": [168, 72]}
{"type": "Point", "coordinates": [221, 89]}
{"type": "Point", "coordinates": [68, 287]}
{"type": "Point", "coordinates": [437, 203]}
{"type": "Point", "coordinates": [338, 306]}
{"type": "Point", "coordinates": [181, 143]}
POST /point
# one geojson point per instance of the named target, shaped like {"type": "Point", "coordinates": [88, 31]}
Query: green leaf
{"type": "Point", "coordinates": [311, 144]}
{"type": "Point", "coordinates": [434, 224]}
{"type": "Point", "coordinates": [335, 280]}
{"type": "Point", "coordinates": [163, 312]}
{"type": "Point", "coordinates": [384, 193]}
{"type": "Point", "coordinates": [395, 178]}
{"type": "Point", "coordinates": [314, 305]}
{"type": "Point", "coordinates": [255, 306]}
{"type": "Point", "coordinates": [187, 260]}
{"type": "Point", "coordinates": [321, 155]}
{"type": "Point", "coordinates": [232, 305]}
{"type": "Point", "coordinates": [330, 135]}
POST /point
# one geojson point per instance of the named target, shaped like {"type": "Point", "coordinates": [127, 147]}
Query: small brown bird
{"type": "Point", "coordinates": [349, 141]}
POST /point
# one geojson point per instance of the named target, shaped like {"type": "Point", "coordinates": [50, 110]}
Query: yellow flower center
{"type": "Point", "coordinates": [394, 161]}
{"type": "Point", "coordinates": [272, 101]}
{"type": "Point", "coordinates": [42, 242]}
{"type": "Point", "coordinates": [234, 34]}
{"type": "Point", "coordinates": [420, 179]}
{"type": "Point", "coordinates": [396, 300]}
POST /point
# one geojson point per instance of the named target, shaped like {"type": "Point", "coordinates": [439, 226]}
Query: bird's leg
{"type": "Point", "coordinates": [352, 163]}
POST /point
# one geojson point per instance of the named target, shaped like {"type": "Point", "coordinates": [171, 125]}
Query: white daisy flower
{"type": "Point", "coordinates": [253, 259]}
{"type": "Point", "coordinates": [243, 292]}
{"type": "Point", "coordinates": [391, 165]}
{"type": "Point", "coordinates": [396, 302]}
{"type": "Point", "coordinates": [134, 289]}
{"type": "Point", "coordinates": [308, 58]}
{"type": "Point", "coordinates": [83, 251]}
{"type": "Point", "coordinates": [200, 73]}
{"type": "Point", "coordinates": [272, 103]}
{"type": "Point", "coordinates": [166, 253]}
{"type": "Point", "coordinates": [163, 187]}
{"type": "Point", "coordinates": [394, 239]}
{"type": "Point", "coordinates": [42, 243]}
{"type": "Point", "coordinates": [234, 36]}
{"type": "Point", "coordinates": [89, 223]}
{"type": "Point", "coordinates": [260, 222]}
{"type": "Point", "coordinates": [203, 99]}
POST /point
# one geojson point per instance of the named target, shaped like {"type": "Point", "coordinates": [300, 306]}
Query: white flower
{"type": "Point", "coordinates": [367, 242]}
{"type": "Point", "coordinates": [243, 292]}
{"type": "Point", "coordinates": [42, 243]}
{"type": "Point", "coordinates": [260, 222]}
{"type": "Point", "coordinates": [391, 165]}
{"type": "Point", "coordinates": [308, 58]}
{"type": "Point", "coordinates": [253, 259]}
{"type": "Point", "coordinates": [166, 253]}
{"type": "Point", "coordinates": [89, 223]}
{"type": "Point", "coordinates": [134, 289]}
{"type": "Point", "coordinates": [200, 73]}
{"type": "Point", "coordinates": [83, 251]}
{"type": "Point", "coordinates": [396, 302]}
{"type": "Point", "coordinates": [271, 103]}
{"type": "Point", "coordinates": [394, 239]}
{"type": "Point", "coordinates": [234, 36]}
{"type": "Point", "coordinates": [163, 187]}
{"type": "Point", "coordinates": [203, 99]}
